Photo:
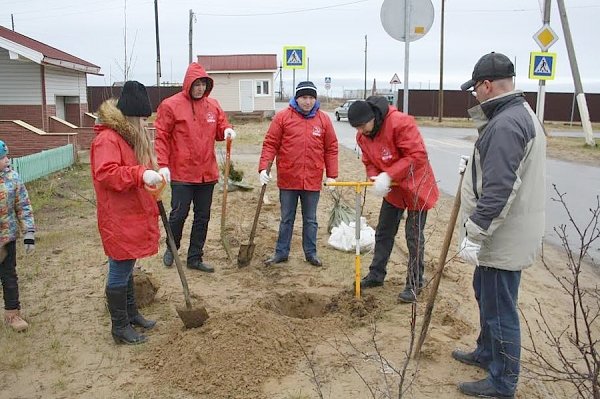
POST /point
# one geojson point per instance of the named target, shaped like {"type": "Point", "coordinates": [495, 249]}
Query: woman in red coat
{"type": "Point", "coordinates": [122, 163]}
{"type": "Point", "coordinates": [393, 150]}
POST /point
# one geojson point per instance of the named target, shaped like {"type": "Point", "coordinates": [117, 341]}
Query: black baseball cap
{"type": "Point", "coordinates": [491, 66]}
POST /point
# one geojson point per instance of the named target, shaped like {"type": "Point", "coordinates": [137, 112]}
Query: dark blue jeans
{"type": "Point", "coordinates": [119, 272]}
{"type": "Point", "coordinates": [387, 227]}
{"type": "Point", "coordinates": [182, 196]}
{"type": "Point", "coordinates": [499, 341]}
{"type": "Point", "coordinates": [8, 276]}
{"type": "Point", "coordinates": [289, 202]}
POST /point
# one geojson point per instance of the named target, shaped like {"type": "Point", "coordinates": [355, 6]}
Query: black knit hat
{"type": "Point", "coordinates": [491, 66]}
{"type": "Point", "coordinates": [306, 88]}
{"type": "Point", "coordinates": [359, 113]}
{"type": "Point", "coordinates": [134, 100]}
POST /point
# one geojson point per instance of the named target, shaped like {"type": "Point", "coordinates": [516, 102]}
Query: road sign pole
{"type": "Point", "coordinates": [541, 98]}
{"type": "Point", "coordinates": [406, 54]}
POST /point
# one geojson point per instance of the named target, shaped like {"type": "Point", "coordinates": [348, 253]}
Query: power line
{"type": "Point", "coordinates": [471, 11]}
{"type": "Point", "coordinates": [282, 12]}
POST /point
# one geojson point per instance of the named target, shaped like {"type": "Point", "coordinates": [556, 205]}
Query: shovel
{"type": "Point", "coordinates": [191, 317]}
{"type": "Point", "coordinates": [247, 251]}
{"type": "Point", "coordinates": [224, 239]}
{"type": "Point", "coordinates": [439, 269]}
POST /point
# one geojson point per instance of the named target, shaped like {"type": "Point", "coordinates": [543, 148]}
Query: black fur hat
{"type": "Point", "coordinates": [134, 100]}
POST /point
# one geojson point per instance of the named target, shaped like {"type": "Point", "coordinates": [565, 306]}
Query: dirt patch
{"type": "Point", "coordinates": [145, 286]}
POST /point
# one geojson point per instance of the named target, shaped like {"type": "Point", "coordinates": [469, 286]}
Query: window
{"type": "Point", "coordinates": [262, 88]}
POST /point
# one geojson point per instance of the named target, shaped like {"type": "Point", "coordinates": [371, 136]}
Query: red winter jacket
{"type": "Point", "coordinates": [304, 147]}
{"type": "Point", "coordinates": [127, 213]}
{"type": "Point", "coordinates": [399, 150]}
{"type": "Point", "coordinates": [186, 130]}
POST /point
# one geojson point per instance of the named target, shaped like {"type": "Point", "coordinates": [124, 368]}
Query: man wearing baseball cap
{"type": "Point", "coordinates": [502, 219]}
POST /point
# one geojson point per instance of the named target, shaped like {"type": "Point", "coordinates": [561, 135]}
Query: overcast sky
{"type": "Point", "coordinates": [333, 32]}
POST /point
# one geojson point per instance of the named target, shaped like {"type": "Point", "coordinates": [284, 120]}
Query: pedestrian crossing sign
{"type": "Point", "coordinates": [542, 65]}
{"type": "Point", "coordinates": [294, 57]}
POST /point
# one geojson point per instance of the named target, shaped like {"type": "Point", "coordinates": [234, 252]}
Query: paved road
{"type": "Point", "coordinates": [445, 145]}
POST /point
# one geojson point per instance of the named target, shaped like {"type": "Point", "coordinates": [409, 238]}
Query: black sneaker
{"type": "Point", "coordinates": [198, 265]}
{"type": "Point", "coordinates": [313, 260]}
{"type": "Point", "coordinates": [468, 358]}
{"type": "Point", "coordinates": [483, 389]}
{"type": "Point", "coordinates": [274, 260]}
{"type": "Point", "coordinates": [168, 258]}
{"type": "Point", "coordinates": [368, 282]}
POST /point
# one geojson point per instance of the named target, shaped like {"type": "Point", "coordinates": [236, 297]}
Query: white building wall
{"type": "Point", "coordinates": [64, 82]}
{"type": "Point", "coordinates": [20, 81]}
{"type": "Point", "coordinates": [227, 90]}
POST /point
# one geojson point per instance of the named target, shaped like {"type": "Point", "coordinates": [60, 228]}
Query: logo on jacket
{"type": "Point", "coordinates": [316, 131]}
{"type": "Point", "coordinates": [386, 155]}
{"type": "Point", "coordinates": [211, 118]}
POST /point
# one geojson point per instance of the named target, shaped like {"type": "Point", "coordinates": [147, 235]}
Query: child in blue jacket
{"type": "Point", "coordinates": [15, 215]}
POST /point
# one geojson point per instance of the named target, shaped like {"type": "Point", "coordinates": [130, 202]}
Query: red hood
{"type": "Point", "coordinates": [196, 71]}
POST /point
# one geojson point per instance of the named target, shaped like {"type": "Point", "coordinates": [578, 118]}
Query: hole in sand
{"type": "Point", "coordinates": [299, 305]}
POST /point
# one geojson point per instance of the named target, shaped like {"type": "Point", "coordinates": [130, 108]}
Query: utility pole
{"type": "Point", "coordinates": [158, 73]}
{"type": "Point", "coordinates": [365, 90]}
{"type": "Point", "coordinates": [541, 97]}
{"type": "Point", "coordinates": [192, 20]}
{"type": "Point", "coordinates": [581, 103]}
{"type": "Point", "coordinates": [125, 72]}
{"type": "Point", "coordinates": [307, 68]}
{"type": "Point", "coordinates": [12, 20]}
{"type": "Point", "coordinates": [441, 92]}
{"type": "Point", "coordinates": [280, 82]}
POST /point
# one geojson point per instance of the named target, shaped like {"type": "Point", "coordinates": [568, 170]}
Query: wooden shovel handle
{"type": "Point", "coordinates": [259, 206]}
{"type": "Point", "coordinates": [439, 269]}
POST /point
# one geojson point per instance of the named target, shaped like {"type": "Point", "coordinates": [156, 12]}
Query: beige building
{"type": "Point", "coordinates": [243, 82]}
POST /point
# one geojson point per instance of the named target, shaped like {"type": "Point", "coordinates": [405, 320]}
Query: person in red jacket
{"type": "Point", "coordinates": [187, 126]}
{"type": "Point", "coordinates": [393, 151]}
{"type": "Point", "coordinates": [122, 162]}
{"type": "Point", "coordinates": [304, 142]}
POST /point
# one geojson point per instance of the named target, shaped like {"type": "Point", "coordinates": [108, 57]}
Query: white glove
{"type": "Point", "coordinates": [462, 166]}
{"type": "Point", "coordinates": [29, 241]}
{"type": "Point", "coordinates": [328, 181]}
{"type": "Point", "coordinates": [469, 251]}
{"type": "Point", "coordinates": [166, 173]}
{"type": "Point", "coordinates": [230, 133]}
{"type": "Point", "coordinates": [264, 177]}
{"type": "Point", "coordinates": [151, 178]}
{"type": "Point", "coordinates": [381, 184]}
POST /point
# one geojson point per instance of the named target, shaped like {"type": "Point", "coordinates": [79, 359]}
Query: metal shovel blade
{"type": "Point", "coordinates": [247, 251]}
{"type": "Point", "coordinates": [192, 317]}
{"type": "Point", "coordinates": [245, 255]}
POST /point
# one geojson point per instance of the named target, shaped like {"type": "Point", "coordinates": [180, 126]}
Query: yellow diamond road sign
{"type": "Point", "coordinates": [545, 37]}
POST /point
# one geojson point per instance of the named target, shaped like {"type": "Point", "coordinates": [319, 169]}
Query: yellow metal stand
{"type": "Point", "coordinates": [358, 185]}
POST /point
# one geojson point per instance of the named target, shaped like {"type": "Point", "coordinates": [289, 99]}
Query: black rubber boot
{"type": "Point", "coordinates": [122, 331]}
{"type": "Point", "coordinates": [135, 318]}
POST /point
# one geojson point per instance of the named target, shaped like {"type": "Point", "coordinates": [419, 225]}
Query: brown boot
{"type": "Point", "coordinates": [13, 319]}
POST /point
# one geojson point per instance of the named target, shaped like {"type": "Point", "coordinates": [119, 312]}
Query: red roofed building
{"type": "Point", "coordinates": [43, 95]}
{"type": "Point", "coordinates": [38, 81]}
{"type": "Point", "coordinates": [243, 82]}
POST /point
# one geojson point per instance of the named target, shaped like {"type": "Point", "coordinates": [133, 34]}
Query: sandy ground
{"type": "Point", "coordinates": [284, 332]}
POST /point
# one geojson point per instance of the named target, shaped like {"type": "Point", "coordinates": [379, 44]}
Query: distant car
{"type": "Point", "coordinates": [342, 110]}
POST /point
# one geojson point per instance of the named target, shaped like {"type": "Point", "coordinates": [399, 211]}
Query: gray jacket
{"type": "Point", "coordinates": [504, 186]}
